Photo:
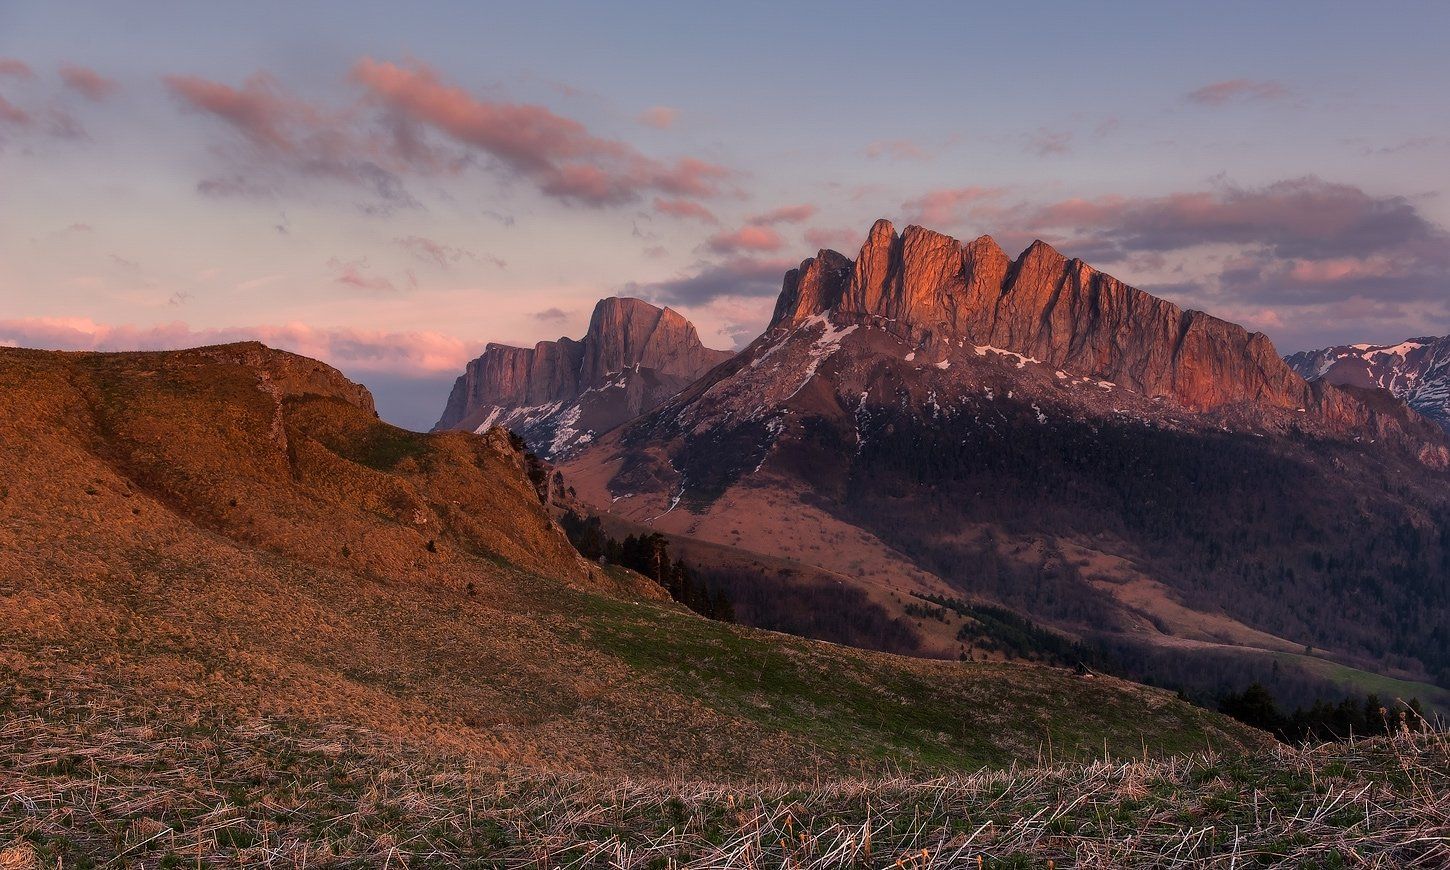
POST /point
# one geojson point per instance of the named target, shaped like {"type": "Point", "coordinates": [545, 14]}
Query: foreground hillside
{"type": "Point", "coordinates": [230, 534]}
{"type": "Point", "coordinates": [83, 784]}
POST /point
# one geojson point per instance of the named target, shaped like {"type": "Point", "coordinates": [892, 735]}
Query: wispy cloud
{"type": "Point", "coordinates": [686, 209]}
{"type": "Point", "coordinates": [88, 83]}
{"type": "Point", "coordinates": [949, 206]}
{"type": "Point", "coordinates": [786, 214]}
{"type": "Point", "coordinates": [438, 254]}
{"type": "Point", "coordinates": [751, 237]}
{"type": "Point", "coordinates": [407, 122]}
{"type": "Point", "coordinates": [13, 68]}
{"type": "Point", "coordinates": [1237, 90]}
{"type": "Point", "coordinates": [559, 154]}
{"type": "Point", "coordinates": [358, 275]}
{"type": "Point", "coordinates": [897, 149]}
{"type": "Point", "coordinates": [659, 117]}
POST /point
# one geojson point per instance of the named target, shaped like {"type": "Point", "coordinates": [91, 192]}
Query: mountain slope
{"type": "Point", "coordinates": [230, 534]}
{"type": "Point", "coordinates": [934, 418]}
{"type": "Point", "coordinates": [559, 395]}
{"type": "Point", "coordinates": [1416, 370]}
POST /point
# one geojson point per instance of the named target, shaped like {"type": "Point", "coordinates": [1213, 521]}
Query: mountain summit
{"type": "Point", "coordinates": [559, 395]}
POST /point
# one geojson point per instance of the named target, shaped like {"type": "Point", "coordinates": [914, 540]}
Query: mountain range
{"type": "Point", "coordinates": [1416, 370]}
{"type": "Point", "coordinates": [936, 419]}
{"type": "Point", "coordinates": [228, 542]}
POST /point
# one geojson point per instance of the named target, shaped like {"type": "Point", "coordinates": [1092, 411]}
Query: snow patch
{"type": "Point", "coordinates": [1022, 361]}
{"type": "Point", "coordinates": [828, 343]}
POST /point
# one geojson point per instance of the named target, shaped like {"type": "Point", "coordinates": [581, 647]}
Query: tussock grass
{"type": "Point", "coordinates": [82, 785]}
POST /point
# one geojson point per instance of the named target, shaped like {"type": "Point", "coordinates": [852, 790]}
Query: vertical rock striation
{"type": "Point", "coordinates": [933, 288]}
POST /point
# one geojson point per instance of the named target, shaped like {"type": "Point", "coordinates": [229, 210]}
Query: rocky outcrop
{"type": "Point", "coordinates": [1061, 311]}
{"type": "Point", "coordinates": [633, 357]}
{"type": "Point", "coordinates": [288, 374]}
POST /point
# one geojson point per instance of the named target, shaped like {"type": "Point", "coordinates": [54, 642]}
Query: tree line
{"type": "Point", "coordinates": [648, 555]}
{"type": "Point", "coordinates": [1323, 721]}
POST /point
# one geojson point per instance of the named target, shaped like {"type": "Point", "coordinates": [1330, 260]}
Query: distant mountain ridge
{"type": "Point", "coordinates": [1416, 370]}
{"type": "Point", "coordinates": [558, 395]}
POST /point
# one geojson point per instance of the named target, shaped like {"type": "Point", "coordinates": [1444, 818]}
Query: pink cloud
{"type": "Point", "coordinates": [1237, 90]}
{"type": "Point", "coordinates": [747, 238]}
{"type": "Point", "coordinates": [897, 149]}
{"type": "Point", "coordinates": [789, 214]}
{"type": "Point", "coordinates": [355, 274]}
{"type": "Point", "coordinates": [19, 69]}
{"type": "Point", "coordinates": [945, 207]}
{"type": "Point", "coordinates": [361, 350]}
{"type": "Point", "coordinates": [559, 154]}
{"type": "Point", "coordinates": [13, 114]}
{"type": "Point", "coordinates": [684, 208]}
{"type": "Point", "coordinates": [659, 117]}
{"type": "Point", "coordinates": [258, 109]}
{"type": "Point", "coordinates": [1340, 269]}
{"type": "Point", "coordinates": [88, 83]}
{"type": "Point", "coordinates": [407, 122]}
{"type": "Point", "coordinates": [285, 136]}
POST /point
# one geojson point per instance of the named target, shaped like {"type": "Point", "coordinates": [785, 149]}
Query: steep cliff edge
{"type": "Point", "coordinates": [931, 287]}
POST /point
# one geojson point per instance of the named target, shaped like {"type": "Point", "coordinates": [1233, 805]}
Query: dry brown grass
{"type": "Point", "coordinates": [85, 786]}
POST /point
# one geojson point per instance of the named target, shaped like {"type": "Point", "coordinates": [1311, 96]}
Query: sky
{"type": "Point", "coordinates": [390, 186]}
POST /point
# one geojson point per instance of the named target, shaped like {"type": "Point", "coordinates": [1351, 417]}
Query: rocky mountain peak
{"type": "Point", "coordinates": [633, 356]}
{"type": "Point", "coordinates": [625, 332]}
{"type": "Point", "coordinates": [815, 286]}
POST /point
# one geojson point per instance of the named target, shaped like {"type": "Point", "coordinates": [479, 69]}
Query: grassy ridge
{"type": "Point", "coordinates": [881, 708]}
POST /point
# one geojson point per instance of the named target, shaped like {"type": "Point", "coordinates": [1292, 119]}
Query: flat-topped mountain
{"type": "Point", "coordinates": [935, 417]}
{"type": "Point", "coordinates": [938, 291]}
{"type": "Point", "coordinates": [1416, 370]}
{"type": "Point", "coordinates": [561, 394]}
